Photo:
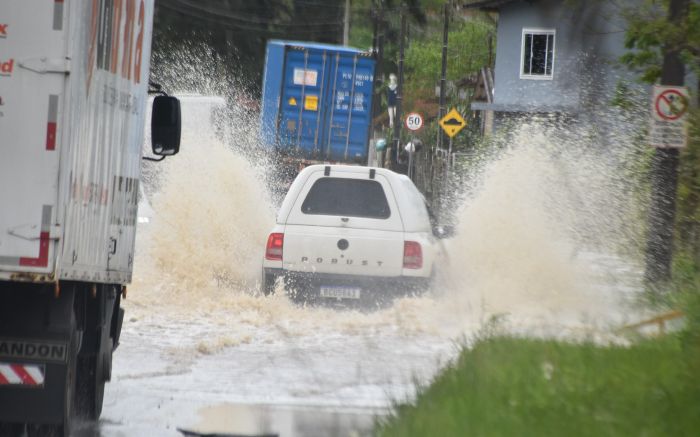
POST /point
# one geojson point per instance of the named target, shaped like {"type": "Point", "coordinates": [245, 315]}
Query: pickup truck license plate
{"type": "Point", "coordinates": [341, 292]}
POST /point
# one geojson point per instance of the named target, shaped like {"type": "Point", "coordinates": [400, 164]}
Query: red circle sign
{"type": "Point", "coordinates": [671, 105]}
{"type": "Point", "coordinates": [414, 121]}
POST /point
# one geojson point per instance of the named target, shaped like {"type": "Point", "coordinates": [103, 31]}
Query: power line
{"type": "Point", "coordinates": [239, 26]}
{"type": "Point", "coordinates": [219, 12]}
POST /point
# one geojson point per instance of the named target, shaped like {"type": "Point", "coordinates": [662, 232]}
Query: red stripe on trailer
{"type": "Point", "coordinates": [51, 122]}
{"type": "Point", "coordinates": [43, 259]}
{"type": "Point", "coordinates": [51, 136]}
{"type": "Point", "coordinates": [23, 375]}
{"type": "Point", "coordinates": [3, 380]}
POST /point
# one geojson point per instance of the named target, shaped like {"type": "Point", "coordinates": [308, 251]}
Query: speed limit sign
{"type": "Point", "coordinates": [414, 121]}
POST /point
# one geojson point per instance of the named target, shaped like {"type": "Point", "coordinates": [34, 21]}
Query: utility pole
{"type": "Point", "coordinates": [374, 13]}
{"type": "Point", "coordinates": [664, 173]}
{"type": "Point", "coordinates": [379, 70]}
{"type": "Point", "coordinates": [399, 93]}
{"type": "Point", "coordinates": [443, 74]}
{"type": "Point", "coordinates": [346, 24]}
{"type": "Point", "coordinates": [377, 35]}
{"type": "Point", "coordinates": [381, 30]}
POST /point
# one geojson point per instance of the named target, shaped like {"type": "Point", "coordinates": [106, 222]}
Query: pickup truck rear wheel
{"type": "Point", "coordinates": [267, 287]}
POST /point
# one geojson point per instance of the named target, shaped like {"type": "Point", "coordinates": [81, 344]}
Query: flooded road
{"type": "Point", "coordinates": [201, 349]}
{"type": "Point", "coordinates": [159, 387]}
{"type": "Point", "coordinates": [188, 368]}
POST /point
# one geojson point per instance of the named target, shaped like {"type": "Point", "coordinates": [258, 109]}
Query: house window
{"type": "Point", "coordinates": [537, 56]}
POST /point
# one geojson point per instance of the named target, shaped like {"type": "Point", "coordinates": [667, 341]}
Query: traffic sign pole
{"type": "Point", "coordinates": [664, 174]}
{"type": "Point", "coordinates": [452, 123]}
{"type": "Point", "coordinates": [399, 95]}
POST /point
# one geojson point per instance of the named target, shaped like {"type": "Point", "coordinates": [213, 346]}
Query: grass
{"type": "Point", "coordinates": [505, 386]}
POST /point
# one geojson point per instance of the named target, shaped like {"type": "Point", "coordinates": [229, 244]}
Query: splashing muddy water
{"type": "Point", "coordinates": [539, 242]}
{"type": "Point", "coordinates": [538, 247]}
{"type": "Point", "coordinates": [522, 250]}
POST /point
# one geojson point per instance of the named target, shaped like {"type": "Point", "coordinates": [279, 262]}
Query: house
{"type": "Point", "coordinates": [556, 57]}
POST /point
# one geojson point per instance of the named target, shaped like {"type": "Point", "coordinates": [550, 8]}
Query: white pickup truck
{"type": "Point", "coordinates": [350, 232]}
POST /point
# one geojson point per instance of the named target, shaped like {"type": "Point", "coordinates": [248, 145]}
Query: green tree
{"type": "Point", "coordinates": [648, 34]}
{"type": "Point", "coordinates": [467, 52]}
{"type": "Point", "coordinates": [234, 33]}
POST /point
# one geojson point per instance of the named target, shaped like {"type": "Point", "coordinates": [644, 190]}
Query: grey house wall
{"type": "Point", "coordinates": [588, 43]}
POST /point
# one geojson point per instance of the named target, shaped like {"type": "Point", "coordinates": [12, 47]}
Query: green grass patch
{"type": "Point", "coordinates": [509, 386]}
{"type": "Point", "coordinates": [522, 387]}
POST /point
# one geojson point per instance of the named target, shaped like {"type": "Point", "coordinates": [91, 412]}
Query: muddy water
{"type": "Point", "coordinates": [539, 242]}
{"type": "Point", "coordinates": [527, 248]}
{"type": "Point", "coordinates": [527, 259]}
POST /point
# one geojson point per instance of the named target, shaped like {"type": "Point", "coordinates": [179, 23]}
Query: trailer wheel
{"type": "Point", "coordinates": [91, 388]}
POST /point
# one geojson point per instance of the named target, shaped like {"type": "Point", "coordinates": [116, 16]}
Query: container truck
{"type": "Point", "coordinates": [73, 91]}
{"type": "Point", "coordinates": [316, 104]}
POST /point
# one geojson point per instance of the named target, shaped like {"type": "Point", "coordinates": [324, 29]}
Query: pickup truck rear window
{"type": "Point", "coordinates": [347, 198]}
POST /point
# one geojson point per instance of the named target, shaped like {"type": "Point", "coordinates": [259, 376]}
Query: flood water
{"type": "Point", "coordinates": [201, 349]}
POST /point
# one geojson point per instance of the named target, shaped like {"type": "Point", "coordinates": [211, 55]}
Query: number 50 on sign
{"type": "Point", "coordinates": [414, 121]}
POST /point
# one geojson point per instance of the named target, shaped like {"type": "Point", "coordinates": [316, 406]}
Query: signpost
{"type": "Point", "coordinates": [664, 166]}
{"type": "Point", "coordinates": [452, 123]}
{"type": "Point", "coordinates": [669, 113]}
{"type": "Point", "coordinates": [414, 123]}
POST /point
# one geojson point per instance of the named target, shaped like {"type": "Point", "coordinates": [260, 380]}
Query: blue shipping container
{"type": "Point", "coordinates": [317, 101]}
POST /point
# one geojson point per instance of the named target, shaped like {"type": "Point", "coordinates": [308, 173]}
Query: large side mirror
{"type": "Point", "coordinates": [444, 231]}
{"type": "Point", "coordinates": [165, 126]}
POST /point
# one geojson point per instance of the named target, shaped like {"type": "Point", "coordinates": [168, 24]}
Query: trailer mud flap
{"type": "Point", "coordinates": [39, 400]}
{"type": "Point", "coordinates": [40, 341]}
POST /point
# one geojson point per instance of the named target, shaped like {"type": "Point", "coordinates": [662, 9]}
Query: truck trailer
{"type": "Point", "coordinates": [74, 84]}
{"type": "Point", "coordinates": [316, 105]}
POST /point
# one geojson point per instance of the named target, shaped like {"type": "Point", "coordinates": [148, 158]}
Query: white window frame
{"type": "Point", "coordinates": [537, 31]}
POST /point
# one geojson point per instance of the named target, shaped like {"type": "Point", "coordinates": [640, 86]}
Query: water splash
{"type": "Point", "coordinates": [547, 235]}
{"type": "Point", "coordinates": [540, 232]}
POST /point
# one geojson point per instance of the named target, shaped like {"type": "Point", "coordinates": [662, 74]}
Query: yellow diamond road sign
{"type": "Point", "coordinates": [452, 123]}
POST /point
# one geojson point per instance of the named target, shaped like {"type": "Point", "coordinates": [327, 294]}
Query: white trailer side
{"type": "Point", "coordinates": [73, 93]}
{"type": "Point", "coordinates": [74, 99]}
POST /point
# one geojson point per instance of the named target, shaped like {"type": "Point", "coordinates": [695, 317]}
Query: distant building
{"type": "Point", "coordinates": [558, 58]}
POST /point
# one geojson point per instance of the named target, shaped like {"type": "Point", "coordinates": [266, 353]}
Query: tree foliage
{"type": "Point", "coordinates": [467, 52]}
{"type": "Point", "coordinates": [649, 33]}
{"type": "Point", "coordinates": [236, 31]}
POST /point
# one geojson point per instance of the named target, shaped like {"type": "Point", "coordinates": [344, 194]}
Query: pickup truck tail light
{"type": "Point", "coordinates": [412, 255]}
{"type": "Point", "coordinates": [275, 244]}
